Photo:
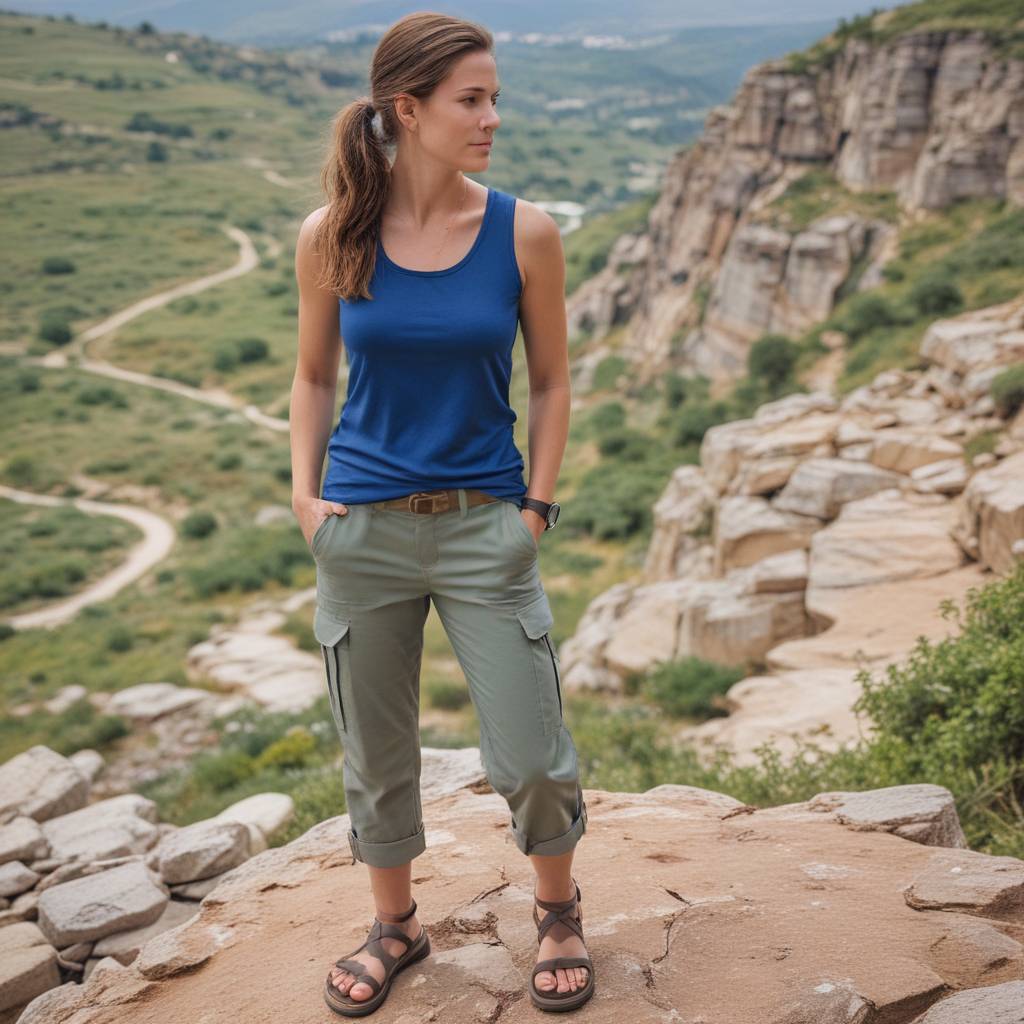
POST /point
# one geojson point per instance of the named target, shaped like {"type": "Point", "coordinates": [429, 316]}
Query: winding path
{"type": "Point", "coordinates": [160, 534]}
{"type": "Point", "coordinates": [159, 538]}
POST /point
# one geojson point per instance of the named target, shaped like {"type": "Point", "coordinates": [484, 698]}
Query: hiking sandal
{"type": "Point", "coordinates": [560, 911]}
{"type": "Point", "coordinates": [416, 949]}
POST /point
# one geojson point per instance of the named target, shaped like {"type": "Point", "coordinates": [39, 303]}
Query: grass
{"type": "Point", "coordinates": [999, 20]}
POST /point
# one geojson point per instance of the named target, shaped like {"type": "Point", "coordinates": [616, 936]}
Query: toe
{"type": "Point", "coordinates": [360, 990]}
{"type": "Point", "coordinates": [545, 981]}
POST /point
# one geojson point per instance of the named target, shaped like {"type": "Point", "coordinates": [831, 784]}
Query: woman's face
{"type": "Point", "coordinates": [460, 113]}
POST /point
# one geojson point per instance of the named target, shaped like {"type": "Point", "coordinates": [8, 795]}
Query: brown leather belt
{"type": "Point", "coordinates": [435, 501]}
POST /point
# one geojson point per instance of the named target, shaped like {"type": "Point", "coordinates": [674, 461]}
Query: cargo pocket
{"type": "Point", "coordinates": [331, 630]}
{"type": "Point", "coordinates": [537, 620]}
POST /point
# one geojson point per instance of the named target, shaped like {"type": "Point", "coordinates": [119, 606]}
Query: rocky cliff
{"type": "Point", "coordinates": [932, 116]}
{"type": "Point", "coordinates": [819, 536]}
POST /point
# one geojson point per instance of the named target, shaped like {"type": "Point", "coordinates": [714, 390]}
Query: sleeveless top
{"type": "Point", "coordinates": [430, 358]}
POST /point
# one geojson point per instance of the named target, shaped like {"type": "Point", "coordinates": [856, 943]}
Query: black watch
{"type": "Point", "coordinates": [548, 511]}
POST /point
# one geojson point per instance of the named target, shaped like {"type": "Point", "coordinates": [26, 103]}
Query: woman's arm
{"type": "Point", "coordinates": [543, 320]}
{"type": "Point", "coordinates": [314, 387]}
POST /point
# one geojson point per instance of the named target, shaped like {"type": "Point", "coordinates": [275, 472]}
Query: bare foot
{"type": "Point", "coordinates": [561, 940]}
{"type": "Point", "coordinates": [343, 980]}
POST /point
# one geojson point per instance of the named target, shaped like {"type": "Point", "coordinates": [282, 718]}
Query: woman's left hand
{"type": "Point", "coordinates": [534, 523]}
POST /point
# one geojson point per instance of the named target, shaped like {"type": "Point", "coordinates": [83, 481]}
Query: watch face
{"type": "Point", "coordinates": [553, 511]}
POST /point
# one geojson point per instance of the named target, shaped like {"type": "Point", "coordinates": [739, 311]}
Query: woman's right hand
{"type": "Point", "coordinates": [311, 512]}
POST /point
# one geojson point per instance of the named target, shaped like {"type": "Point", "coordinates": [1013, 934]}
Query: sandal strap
{"type": "Point", "coordinates": [357, 968]}
{"type": "Point", "coordinates": [389, 931]}
{"type": "Point", "coordinates": [562, 961]}
{"type": "Point", "coordinates": [559, 911]}
{"type": "Point", "coordinates": [375, 947]}
{"type": "Point", "coordinates": [393, 918]}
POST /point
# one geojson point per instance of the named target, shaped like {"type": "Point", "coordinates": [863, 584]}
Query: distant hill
{"type": "Point", "coordinates": [270, 22]}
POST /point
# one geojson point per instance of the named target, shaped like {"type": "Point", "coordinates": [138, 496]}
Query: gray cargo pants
{"type": "Point", "coordinates": [377, 570]}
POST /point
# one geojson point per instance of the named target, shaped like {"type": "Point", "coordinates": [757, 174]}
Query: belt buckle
{"type": "Point", "coordinates": [438, 501]}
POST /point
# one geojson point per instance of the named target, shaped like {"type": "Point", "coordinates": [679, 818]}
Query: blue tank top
{"type": "Point", "coordinates": [430, 359]}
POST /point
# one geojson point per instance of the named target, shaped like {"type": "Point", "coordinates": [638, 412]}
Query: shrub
{"type": "Point", "coordinates": [608, 371]}
{"type": "Point", "coordinates": [607, 417]}
{"type": "Point", "coordinates": [447, 696]}
{"type": "Point", "coordinates": [935, 294]}
{"type": "Point", "coordinates": [58, 265]}
{"type": "Point", "coordinates": [252, 350]}
{"type": "Point", "coordinates": [293, 750]}
{"type": "Point", "coordinates": [198, 524]}
{"type": "Point", "coordinates": [689, 687]}
{"type": "Point", "coordinates": [953, 713]}
{"type": "Point", "coordinates": [864, 312]}
{"type": "Point", "coordinates": [771, 360]}
{"type": "Point", "coordinates": [1007, 390]}
{"type": "Point", "coordinates": [695, 418]}
{"type": "Point", "coordinates": [55, 330]}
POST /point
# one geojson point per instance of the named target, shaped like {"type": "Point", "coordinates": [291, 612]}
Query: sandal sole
{"type": "Point", "coordinates": [361, 1007]}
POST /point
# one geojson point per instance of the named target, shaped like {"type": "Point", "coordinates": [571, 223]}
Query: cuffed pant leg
{"type": "Point", "coordinates": [388, 855]}
{"type": "Point", "coordinates": [527, 750]}
{"type": "Point", "coordinates": [559, 844]}
{"type": "Point", "coordinates": [373, 658]}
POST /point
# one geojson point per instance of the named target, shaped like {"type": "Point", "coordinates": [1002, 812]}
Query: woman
{"type": "Point", "coordinates": [425, 274]}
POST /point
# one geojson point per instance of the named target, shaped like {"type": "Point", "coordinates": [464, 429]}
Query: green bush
{"type": "Point", "coordinates": [953, 713]}
{"type": "Point", "coordinates": [935, 294]}
{"type": "Point", "coordinates": [58, 265]}
{"type": "Point", "coordinates": [447, 696]}
{"type": "Point", "coordinates": [866, 311]}
{"type": "Point", "coordinates": [624, 444]}
{"type": "Point", "coordinates": [689, 687]}
{"type": "Point", "coordinates": [1007, 390]}
{"type": "Point", "coordinates": [198, 525]}
{"type": "Point", "coordinates": [54, 330]}
{"type": "Point", "coordinates": [608, 416]}
{"type": "Point", "coordinates": [608, 371]}
{"type": "Point", "coordinates": [252, 350]}
{"type": "Point", "coordinates": [694, 419]}
{"type": "Point", "coordinates": [293, 750]}
{"type": "Point", "coordinates": [772, 359]}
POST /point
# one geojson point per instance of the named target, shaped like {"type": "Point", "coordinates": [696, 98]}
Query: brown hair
{"type": "Point", "coordinates": [415, 54]}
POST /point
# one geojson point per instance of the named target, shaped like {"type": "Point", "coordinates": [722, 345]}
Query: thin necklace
{"type": "Point", "coordinates": [465, 189]}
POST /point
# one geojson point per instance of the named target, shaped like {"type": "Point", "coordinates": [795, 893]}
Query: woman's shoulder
{"type": "Point", "coordinates": [309, 225]}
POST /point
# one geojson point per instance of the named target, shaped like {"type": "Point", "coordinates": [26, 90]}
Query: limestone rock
{"type": "Point", "coordinates": [990, 1004]}
{"type": "Point", "coordinates": [921, 812]}
{"type": "Point", "coordinates": [39, 783]}
{"type": "Point", "coordinates": [991, 516]}
{"type": "Point", "coordinates": [202, 849]}
{"type": "Point", "coordinates": [119, 826]}
{"type": "Point", "coordinates": [820, 487]}
{"type": "Point", "coordinates": [125, 945]}
{"type": "Point", "coordinates": [148, 701]}
{"type": "Point", "coordinates": [971, 882]}
{"type": "Point", "coordinates": [748, 529]}
{"type": "Point", "coordinates": [22, 839]}
{"type": "Point", "coordinates": [905, 450]}
{"type": "Point", "coordinates": [25, 973]}
{"type": "Point", "coordinates": [101, 904]}
{"type": "Point", "coordinates": [682, 522]}
{"type": "Point", "coordinates": [15, 878]}
{"type": "Point", "coordinates": [887, 536]}
{"type": "Point", "coordinates": [269, 812]}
